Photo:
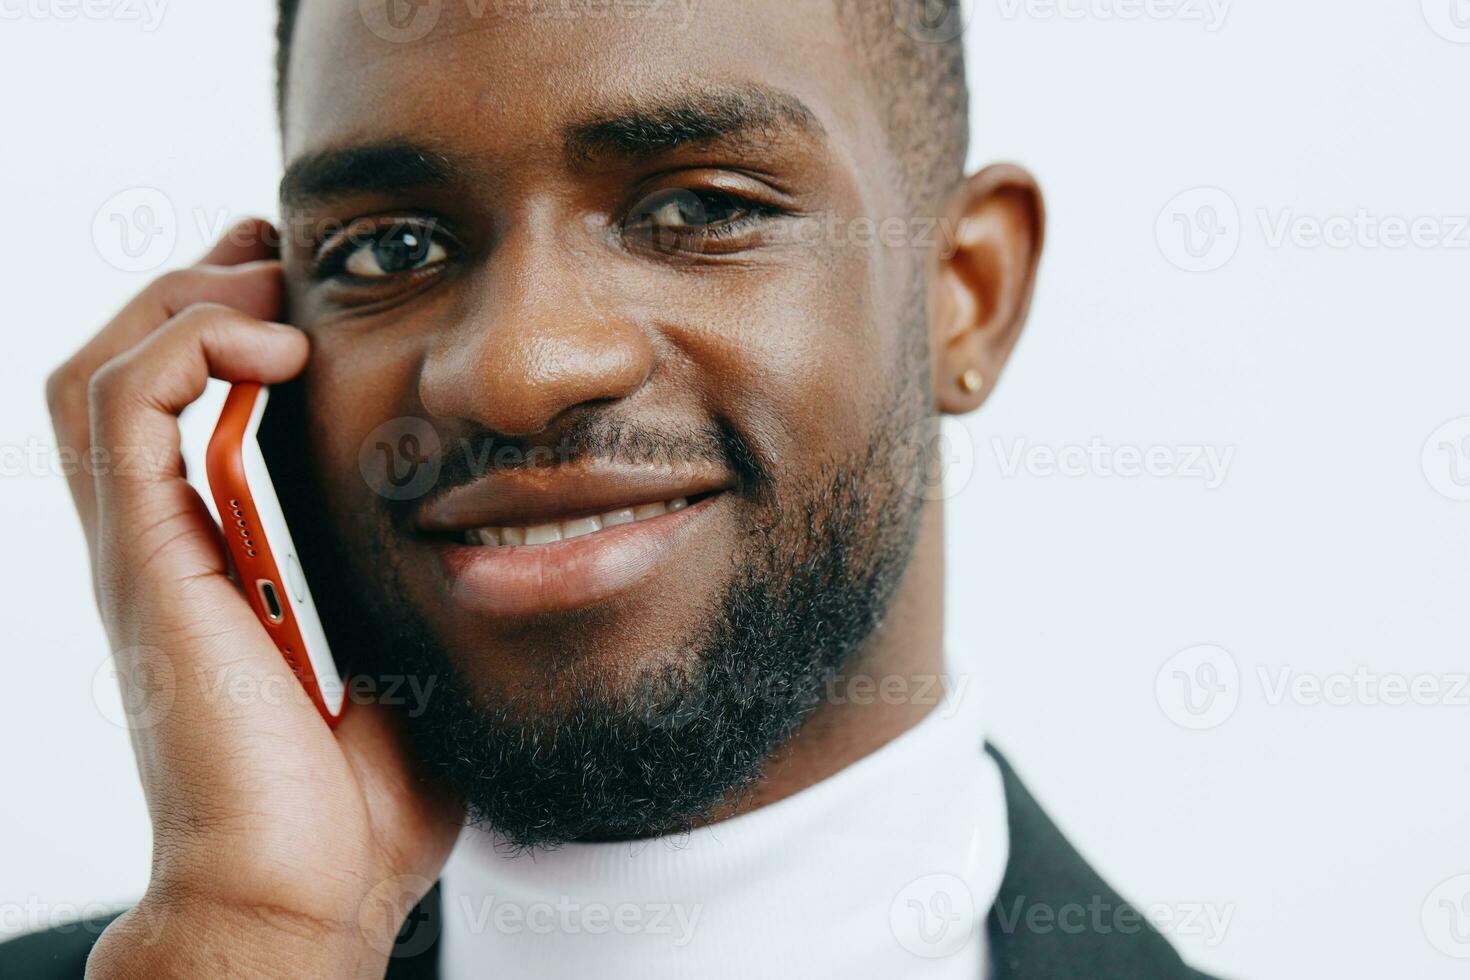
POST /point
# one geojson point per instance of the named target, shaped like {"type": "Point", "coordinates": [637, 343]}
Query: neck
{"type": "Point", "coordinates": [892, 684]}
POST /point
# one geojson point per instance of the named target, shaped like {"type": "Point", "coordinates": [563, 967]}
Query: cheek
{"type": "Point", "coordinates": [796, 360]}
{"type": "Point", "coordinates": [360, 391]}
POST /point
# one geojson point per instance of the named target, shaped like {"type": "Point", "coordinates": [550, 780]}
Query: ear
{"type": "Point", "coordinates": [981, 282]}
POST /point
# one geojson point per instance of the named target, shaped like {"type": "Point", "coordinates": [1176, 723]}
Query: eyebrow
{"type": "Point", "coordinates": [644, 130]}
{"type": "Point", "coordinates": [378, 168]}
{"type": "Point", "coordinates": [638, 131]}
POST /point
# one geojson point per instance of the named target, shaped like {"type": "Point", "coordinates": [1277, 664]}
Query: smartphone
{"type": "Point", "coordinates": [258, 534]}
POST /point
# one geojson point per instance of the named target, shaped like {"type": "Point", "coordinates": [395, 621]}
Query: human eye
{"type": "Point", "coordinates": [695, 219]}
{"type": "Point", "coordinates": [383, 250]}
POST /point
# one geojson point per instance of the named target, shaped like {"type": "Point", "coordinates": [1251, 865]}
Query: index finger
{"type": "Point", "coordinates": [248, 240]}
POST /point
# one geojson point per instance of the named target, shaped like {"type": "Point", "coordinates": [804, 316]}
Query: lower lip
{"type": "Point", "coordinates": [527, 580]}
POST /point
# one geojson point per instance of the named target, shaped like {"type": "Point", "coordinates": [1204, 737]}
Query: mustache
{"type": "Point", "coordinates": [472, 454]}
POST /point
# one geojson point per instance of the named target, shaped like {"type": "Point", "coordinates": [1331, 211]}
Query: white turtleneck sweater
{"type": "Point", "coordinates": [885, 870]}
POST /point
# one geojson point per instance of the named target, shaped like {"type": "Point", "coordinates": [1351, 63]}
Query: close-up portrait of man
{"type": "Point", "coordinates": [567, 590]}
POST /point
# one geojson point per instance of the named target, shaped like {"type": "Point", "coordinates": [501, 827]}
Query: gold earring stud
{"type": "Point", "coordinates": [972, 381]}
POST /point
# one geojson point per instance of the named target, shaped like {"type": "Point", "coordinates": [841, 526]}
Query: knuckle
{"type": "Point", "coordinates": [202, 314]}
{"type": "Point", "coordinates": [175, 288]}
{"type": "Point", "coordinates": [107, 381]}
{"type": "Point", "coordinates": [61, 387]}
{"type": "Point", "coordinates": [212, 322]}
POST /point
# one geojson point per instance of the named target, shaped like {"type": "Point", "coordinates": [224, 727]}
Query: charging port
{"type": "Point", "coordinates": [273, 610]}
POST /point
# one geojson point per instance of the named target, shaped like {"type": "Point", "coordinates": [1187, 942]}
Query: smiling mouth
{"type": "Point", "coordinates": [550, 532]}
{"type": "Point", "coordinates": [519, 544]}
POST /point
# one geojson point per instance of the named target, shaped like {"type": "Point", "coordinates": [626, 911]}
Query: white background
{"type": "Point", "coordinates": [1332, 546]}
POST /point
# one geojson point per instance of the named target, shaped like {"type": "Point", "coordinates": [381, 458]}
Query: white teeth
{"type": "Point", "coordinates": [624, 516]}
{"type": "Point", "coordinates": [566, 530]}
{"type": "Point", "coordinates": [577, 529]}
{"type": "Point", "coordinates": [543, 534]}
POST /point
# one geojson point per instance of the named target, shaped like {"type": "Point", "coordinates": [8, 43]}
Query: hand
{"type": "Point", "coordinates": [277, 843]}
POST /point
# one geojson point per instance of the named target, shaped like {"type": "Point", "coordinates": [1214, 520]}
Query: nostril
{"type": "Point", "coordinates": [528, 367]}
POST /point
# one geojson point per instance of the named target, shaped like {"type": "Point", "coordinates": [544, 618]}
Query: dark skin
{"type": "Point", "coordinates": [564, 289]}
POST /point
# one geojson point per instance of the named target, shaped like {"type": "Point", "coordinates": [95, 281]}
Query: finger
{"type": "Point", "coordinates": [253, 288]}
{"type": "Point", "coordinates": [400, 793]}
{"type": "Point", "coordinates": [240, 271]}
{"type": "Point", "coordinates": [247, 240]}
{"type": "Point", "coordinates": [148, 523]}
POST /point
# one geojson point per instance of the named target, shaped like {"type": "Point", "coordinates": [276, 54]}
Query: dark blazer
{"type": "Point", "coordinates": [1031, 937]}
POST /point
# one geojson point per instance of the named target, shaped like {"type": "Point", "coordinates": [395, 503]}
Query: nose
{"type": "Point", "coordinates": [538, 340]}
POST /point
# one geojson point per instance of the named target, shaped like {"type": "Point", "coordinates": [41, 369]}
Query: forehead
{"type": "Point", "coordinates": [515, 73]}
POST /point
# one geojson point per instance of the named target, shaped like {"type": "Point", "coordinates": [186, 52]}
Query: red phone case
{"type": "Point", "coordinates": [259, 543]}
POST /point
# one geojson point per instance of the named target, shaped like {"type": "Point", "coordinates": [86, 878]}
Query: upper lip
{"type": "Point", "coordinates": [523, 498]}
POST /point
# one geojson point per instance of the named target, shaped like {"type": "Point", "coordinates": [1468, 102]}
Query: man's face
{"type": "Point", "coordinates": [598, 258]}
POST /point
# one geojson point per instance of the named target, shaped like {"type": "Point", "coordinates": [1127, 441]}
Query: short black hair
{"type": "Point", "coordinates": [917, 51]}
{"type": "Point", "coordinates": [917, 48]}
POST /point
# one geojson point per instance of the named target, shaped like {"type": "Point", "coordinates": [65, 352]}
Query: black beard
{"type": "Point", "coordinates": [667, 752]}
{"type": "Point", "coordinates": [661, 758]}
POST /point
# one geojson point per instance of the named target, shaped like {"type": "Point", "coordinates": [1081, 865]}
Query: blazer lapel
{"type": "Point", "coordinates": [1055, 919]}
{"type": "Point", "coordinates": [416, 951]}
